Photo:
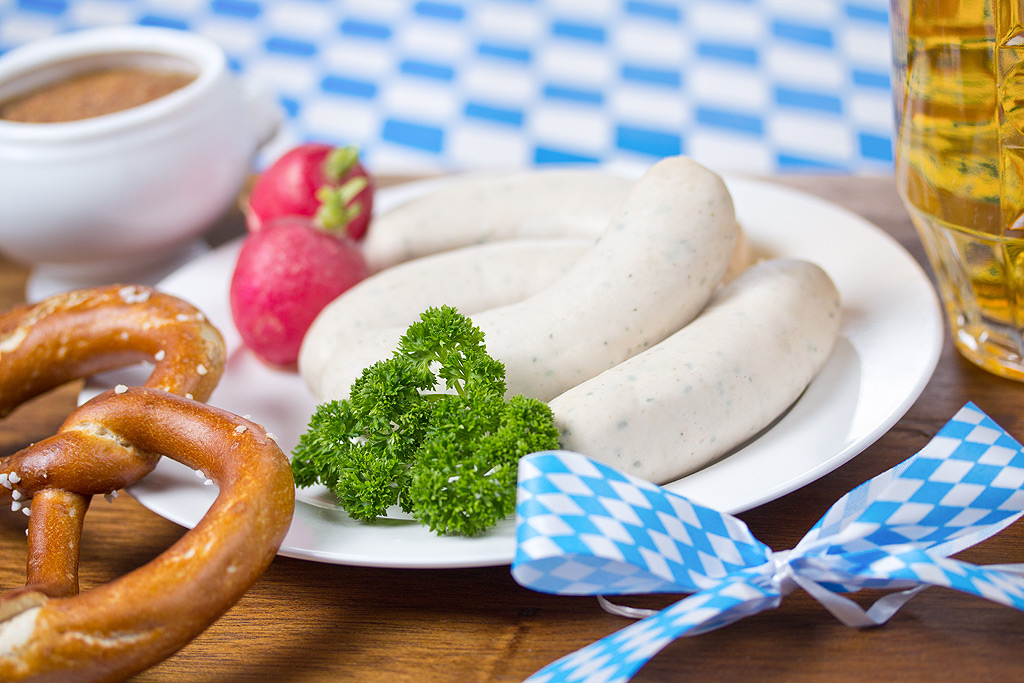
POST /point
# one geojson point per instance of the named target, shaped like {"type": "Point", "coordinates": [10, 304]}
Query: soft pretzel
{"type": "Point", "coordinates": [121, 628]}
{"type": "Point", "coordinates": [86, 331]}
{"type": "Point", "coordinates": [47, 631]}
{"type": "Point", "coordinates": [77, 334]}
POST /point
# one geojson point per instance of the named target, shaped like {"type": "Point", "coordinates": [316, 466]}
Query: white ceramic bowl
{"type": "Point", "coordinates": [120, 193]}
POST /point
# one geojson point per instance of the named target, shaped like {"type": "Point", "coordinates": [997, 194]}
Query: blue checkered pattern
{"type": "Point", "coordinates": [584, 528]}
{"type": "Point", "coordinates": [756, 86]}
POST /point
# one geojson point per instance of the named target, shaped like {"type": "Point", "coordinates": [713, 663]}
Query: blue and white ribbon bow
{"type": "Point", "coordinates": [586, 529]}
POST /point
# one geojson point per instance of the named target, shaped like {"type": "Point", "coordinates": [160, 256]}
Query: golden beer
{"type": "Point", "coordinates": [959, 95]}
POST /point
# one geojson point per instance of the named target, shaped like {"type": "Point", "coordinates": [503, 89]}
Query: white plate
{"type": "Point", "coordinates": [889, 344]}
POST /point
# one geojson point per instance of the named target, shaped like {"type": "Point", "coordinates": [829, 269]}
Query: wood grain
{"type": "Point", "coordinates": [306, 621]}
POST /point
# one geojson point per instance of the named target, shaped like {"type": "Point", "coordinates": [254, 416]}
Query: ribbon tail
{"type": "Point", "coordinates": [1003, 584]}
{"type": "Point", "coordinates": [849, 612]}
{"type": "Point", "coordinates": [1014, 569]}
{"type": "Point", "coordinates": [625, 610]}
{"type": "Point", "coordinates": [616, 658]}
{"type": "Point", "coordinates": [1000, 583]}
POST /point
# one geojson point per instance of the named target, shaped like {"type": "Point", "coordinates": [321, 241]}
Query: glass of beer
{"type": "Point", "coordinates": [958, 84]}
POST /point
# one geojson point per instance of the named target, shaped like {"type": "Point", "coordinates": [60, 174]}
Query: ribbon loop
{"type": "Point", "coordinates": [584, 528]}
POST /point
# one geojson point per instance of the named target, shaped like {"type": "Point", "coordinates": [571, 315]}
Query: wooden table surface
{"type": "Point", "coordinates": [305, 621]}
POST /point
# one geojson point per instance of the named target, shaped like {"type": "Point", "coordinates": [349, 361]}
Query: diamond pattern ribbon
{"type": "Point", "coordinates": [584, 528]}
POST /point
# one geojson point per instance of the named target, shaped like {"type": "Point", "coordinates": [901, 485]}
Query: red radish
{"type": "Point", "coordinates": [285, 274]}
{"type": "Point", "coordinates": [316, 180]}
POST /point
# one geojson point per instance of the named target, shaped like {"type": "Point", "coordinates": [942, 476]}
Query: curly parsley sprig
{"type": "Point", "coordinates": [449, 458]}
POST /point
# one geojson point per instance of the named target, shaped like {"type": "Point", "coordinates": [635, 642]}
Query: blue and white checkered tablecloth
{"type": "Point", "coordinates": [758, 86]}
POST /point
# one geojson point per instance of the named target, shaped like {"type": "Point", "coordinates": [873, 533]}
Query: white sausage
{"type": "Point", "coordinates": [652, 270]}
{"type": "Point", "coordinates": [514, 205]}
{"type": "Point", "coordinates": [500, 206]}
{"type": "Point", "coordinates": [712, 385]}
{"type": "Point", "coordinates": [471, 279]}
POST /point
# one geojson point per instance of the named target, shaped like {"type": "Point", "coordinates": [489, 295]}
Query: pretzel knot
{"type": "Point", "coordinates": [48, 631]}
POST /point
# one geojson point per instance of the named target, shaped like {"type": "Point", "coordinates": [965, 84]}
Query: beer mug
{"type": "Point", "coordinates": [958, 84]}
